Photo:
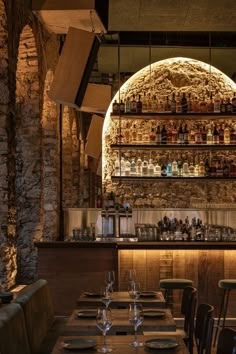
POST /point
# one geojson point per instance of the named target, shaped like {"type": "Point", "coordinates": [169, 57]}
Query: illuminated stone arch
{"type": "Point", "coordinates": [50, 164]}
{"type": "Point", "coordinates": [162, 79]}
{"type": "Point", "coordinates": [28, 157]}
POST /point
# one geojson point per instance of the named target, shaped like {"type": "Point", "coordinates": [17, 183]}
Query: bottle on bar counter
{"type": "Point", "coordinates": [217, 102]}
{"type": "Point", "coordinates": [133, 105]}
{"type": "Point", "coordinates": [139, 104]}
{"type": "Point", "coordinates": [127, 105]}
{"type": "Point", "coordinates": [173, 104]}
{"type": "Point", "coordinates": [184, 104]}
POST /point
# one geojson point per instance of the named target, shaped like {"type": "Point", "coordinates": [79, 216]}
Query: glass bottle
{"type": "Point", "coordinates": [127, 133]}
{"type": "Point", "coordinates": [207, 168]}
{"type": "Point", "coordinates": [190, 104]}
{"type": "Point", "coordinates": [234, 103]}
{"type": "Point", "coordinates": [184, 105]}
{"type": "Point", "coordinates": [127, 168]}
{"type": "Point", "coordinates": [178, 104]}
{"type": "Point", "coordinates": [160, 106]}
{"type": "Point", "coordinates": [173, 104]}
{"type": "Point", "coordinates": [144, 103]}
{"type": "Point", "coordinates": [152, 136]}
{"type": "Point", "coordinates": [133, 167]}
{"type": "Point", "coordinates": [154, 104]}
{"type": "Point", "coordinates": [174, 135]}
{"type": "Point", "coordinates": [185, 169]}
{"type": "Point", "coordinates": [122, 166]}
{"type": "Point", "coordinates": [196, 170]}
{"type": "Point", "coordinates": [217, 102]}
{"type": "Point", "coordinates": [196, 105]}
{"type": "Point", "coordinates": [210, 104]}
{"type": "Point", "coordinates": [127, 105]}
{"type": "Point", "coordinates": [180, 135]}
{"type": "Point", "coordinates": [167, 105]}
{"type": "Point", "coordinates": [157, 170]}
{"type": "Point", "coordinates": [122, 107]}
{"type": "Point", "coordinates": [117, 165]}
{"type": "Point", "coordinates": [204, 134]}
{"type": "Point", "coordinates": [149, 103]}
{"type": "Point", "coordinates": [115, 107]}
{"type": "Point", "coordinates": [226, 135]}
{"type": "Point", "coordinates": [186, 134]}
{"type": "Point", "coordinates": [201, 168]}
{"type": "Point", "coordinates": [163, 135]}
{"type": "Point", "coordinates": [221, 134]}
{"type": "Point", "coordinates": [150, 168]}
{"type": "Point", "coordinates": [174, 168]}
{"type": "Point", "coordinates": [158, 135]}
{"type": "Point", "coordinates": [228, 106]}
{"type": "Point", "coordinates": [139, 104]}
{"type": "Point", "coordinates": [145, 167]}
{"type": "Point", "coordinates": [215, 135]}
{"type": "Point", "coordinates": [191, 137]}
{"type": "Point", "coordinates": [134, 134]}
{"type": "Point", "coordinates": [180, 167]}
{"type": "Point", "coordinates": [209, 137]}
{"type": "Point", "coordinates": [133, 105]}
{"type": "Point", "coordinates": [191, 170]}
{"type": "Point", "coordinates": [223, 106]}
{"type": "Point", "coordinates": [139, 166]}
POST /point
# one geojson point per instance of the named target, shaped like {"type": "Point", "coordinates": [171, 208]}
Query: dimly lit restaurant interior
{"type": "Point", "coordinates": [118, 176]}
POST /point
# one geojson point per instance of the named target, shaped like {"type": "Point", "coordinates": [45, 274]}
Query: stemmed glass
{"type": "Point", "coordinates": [104, 323]}
{"type": "Point", "coordinates": [106, 297]}
{"type": "Point", "coordinates": [135, 318]}
{"type": "Point", "coordinates": [110, 278]}
{"type": "Point", "coordinates": [131, 275]}
{"type": "Point", "coordinates": [134, 290]}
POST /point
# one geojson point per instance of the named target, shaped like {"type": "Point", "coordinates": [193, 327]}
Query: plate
{"type": "Point", "coordinates": [148, 294]}
{"type": "Point", "coordinates": [161, 343]}
{"type": "Point", "coordinates": [154, 313]}
{"type": "Point", "coordinates": [92, 294]}
{"type": "Point", "coordinates": [72, 344]}
{"type": "Point", "coordinates": [87, 313]}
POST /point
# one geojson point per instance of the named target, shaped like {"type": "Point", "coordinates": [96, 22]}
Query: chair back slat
{"type": "Point", "coordinates": [203, 326]}
{"type": "Point", "coordinates": [226, 341]}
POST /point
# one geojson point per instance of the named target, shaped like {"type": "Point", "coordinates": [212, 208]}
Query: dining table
{"type": "Point", "coordinates": [120, 345]}
{"type": "Point", "coordinates": [122, 299]}
{"type": "Point", "coordinates": [83, 321]}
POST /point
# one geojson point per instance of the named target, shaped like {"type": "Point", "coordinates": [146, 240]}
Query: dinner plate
{"type": "Point", "coordinates": [154, 313]}
{"type": "Point", "coordinates": [92, 294]}
{"type": "Point", "coordinates": [72, 344]}
{"type": "Point", "coordinates": [148, 294]}
{"type": "Point", "coordinates": [161, 343]}
{"type": "Point", "coordinates": [87, 313]}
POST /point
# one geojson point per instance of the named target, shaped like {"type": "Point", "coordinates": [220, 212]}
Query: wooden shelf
{"type": "Point", "coordinates": [169, 116]}
{"type": "Point", "coordinates": [171, 179]}
{"type": "Point", "coordinates": [173, 146]}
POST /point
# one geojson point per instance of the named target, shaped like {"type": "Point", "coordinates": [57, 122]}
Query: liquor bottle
{"type": "Point", "coordinates": [167, 107]}
{"type": "Point", "coordinates": [198, 135]}
{"type": "Point", "coordinates": [127, 105]}
{"type": "Point", "coordinates": [145, 167]}
{"type": "Point", "coordinates": [210, 104]}
{"type": "Point", "coordinates": [133, 170]}
{"type": "Point", "coordinates": [223, 106]}
{"type": "Point", "coordinates": [201, 168]}
{"type": "Point", "coordinates": [196, 170]}
{"type": "Point", "coordinates": [115, 107]}
{"type": "Point", "coordinates": [139, 166]}
{"type": "Point", "coordinates": [203, 105]}
{"type": "Point", "coordinates": [215, 135]}
{"type": "Point", "coordinates": [173, 104]}
{"type": "Point", "coordinates": [145, 103]}
{"type": "Point", "coordinates": [152, 136]}
{"type": "Point", "coordinates": [122, 107]}
{"type": "Point", "coordinates": [169, 169]}
{"type": "Point", "coordinates": [139, 104]}
{"type": "Point", "coordinates": [225, 169]}
{"type": "Point", "coordinates": [219, 168]}
{"type": "Point", "coordinates": [221, 134]}
{"type": "Point", "coordinates": [154, 104]}
{"type": "Point", "coordinates": [184, 104]}
{"type": "Point", "coordinates": [180, 167]}
{"type": "Point", "coordinates": [185, 169]}
{"type": "Point", "coordinates": [190, 170]}
{"type": "Point", "coordinates": [150, 168]}
{"type": "Point", "coordinates": [228, 106]}
{"type": "Point", "coordinates": [169, 135]}
{"type": "Point", "coordinates": [127, 133]}
{"type": "Point", "coordinates": [122, 166]}
{"type": "Point", "coordinates": [149, 103]}
{"type": "Point", "coordinates": [234, 103]}
{"type": "Point", "coordinates": [127, 168]}
{"type": "Point", "coordinates": [196, 105]}
{"type": "Point", "coordinates": [163, 170]}
{"type": "Point", "coordinates": [134, 134]}
{"type": "Point", "coordinates": [232, 135]}
{"type": "Point", "coordinates": [209, 137]}
{"type": "Point", "coordinates": [226, 135]}
{"type": "Point", "coordinates": [163, 135]}
{"type": "Point", "coordinates": [157, 170]}
{"type": "Point", "coordinates": [160, 106]}
{"type": "Point", "coordinates": [158, 135]}
{"type": "Point", "coordinates": [178, 104]}
{"type": "Point", "coordinates": [186, 134]}
{"type": "Point", "coordinates": [133, 105]}
{"type": "Point", "coordinates": [117, 165]}
{"type": "Point", "coordinates": [207, 168]}
{"type": "Point", "coordinates": [174, 168]}
{"type": "Point", "coordinates": [190, 103]}
{"type": "Point", "coordinates": [217, 102]}
{"type": "Point", "coordinates": [180, 135]}
{"type": "Point", "coordinates": [204, 135]}
{"type": "Point", "coordinates": [191, 137]}
{"type": "Point", "coordinates": [174, 135]}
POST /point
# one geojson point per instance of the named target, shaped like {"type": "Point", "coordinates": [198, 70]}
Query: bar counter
{"type": "Point", "coordinates": [74, 267]}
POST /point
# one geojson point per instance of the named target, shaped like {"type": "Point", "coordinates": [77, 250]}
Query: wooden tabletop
{"type": "Point", "coordinates": [121, 299]}
{"type": "Point", "coordinates": [120, 323]}
{"type": "Point", "coordinates": [119, 345]}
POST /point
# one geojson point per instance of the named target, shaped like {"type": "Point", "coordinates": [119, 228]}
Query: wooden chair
{"type": "Point", "coordinates": [226, 341]}
{"type": "Point", "coordinates": [204, 328]}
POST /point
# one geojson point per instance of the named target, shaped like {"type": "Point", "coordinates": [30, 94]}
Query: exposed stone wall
{"type": "Point", "coordinates": [50, 164]}
{"type": "Point", "coordinates": [166, 77]}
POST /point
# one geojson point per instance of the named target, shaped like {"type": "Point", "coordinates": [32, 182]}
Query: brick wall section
{"type": "Point", "coordinates": [167, 77]}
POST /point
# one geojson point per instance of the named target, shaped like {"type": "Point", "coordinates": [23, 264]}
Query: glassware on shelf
{"type": "Point", "coordinates": [104, 323]}
{"type": "Point", "coordinates": [136, 319]}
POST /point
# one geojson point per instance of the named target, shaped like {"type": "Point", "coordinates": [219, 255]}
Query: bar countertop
{"type": "Point", "coordinates": [183, 245]}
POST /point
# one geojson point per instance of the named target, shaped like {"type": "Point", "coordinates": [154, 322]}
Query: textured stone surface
{"type": "Point", "coordinates": [166, 77]}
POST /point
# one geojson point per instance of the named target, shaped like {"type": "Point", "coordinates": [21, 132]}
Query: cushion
{"type": "Point", "coordinates": [175, 283]}
{"type": "Point", "coordinates": [227, 283]}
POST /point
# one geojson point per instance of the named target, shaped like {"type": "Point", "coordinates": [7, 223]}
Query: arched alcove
{"type": "Point", "coordinates": [28, 157]}
{"type": "Point", "coordinates": [50, 164]}
{"type": "Point", "coordinates": [162, 78]}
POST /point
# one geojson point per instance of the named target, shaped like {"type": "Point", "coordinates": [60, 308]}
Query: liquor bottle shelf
{"type": "Point", "coordinates": [173, 146]}
{"type": "Point", "coordinates": [171, 179]}
{"type": "Point", "coordinates": [170, 116]}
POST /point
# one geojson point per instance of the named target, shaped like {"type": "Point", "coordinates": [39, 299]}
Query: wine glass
{"type": "Point", "coordinates": [135, 318]}
{"type": "Point", "coordinates": [104, 323]}
{"type": "Point", "coordinates": [131, 275]}
{"type": "Point", "coordinates": [110, 278]}
{"type": "Point", "coordinates": [106, 297]}
{"type": "Point", "coordinates": [134, 290]}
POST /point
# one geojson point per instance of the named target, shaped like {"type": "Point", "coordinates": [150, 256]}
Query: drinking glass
{"type": "Point", "coordinates": [136, 319]}
{"type": "Point", "coordinates": [106, 297]}
{"type": "Point", "coordinates": [134, 290]}
{"type": "Point", "coordinates": [110, 278]}
{"type": "Point", "coordinates": [131, 275]}
{"type": "Point", "coordinates": [104, 323]}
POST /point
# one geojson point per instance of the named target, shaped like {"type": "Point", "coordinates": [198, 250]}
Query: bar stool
{"type": "Point", "coordinates": [227, 285]}
{"type": "Point", "coordinates": [171, 284]}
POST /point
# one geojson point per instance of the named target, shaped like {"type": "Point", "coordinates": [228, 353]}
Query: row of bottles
{"type": "Point", "coordinates": [179, 167]}
{"type": "Point", "coordinates": [177, 103]}
{"type": "Point", "coordinates": [177, 134]}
